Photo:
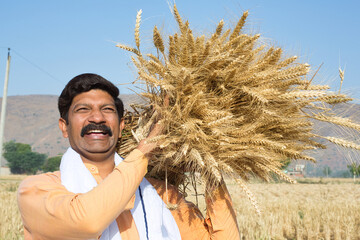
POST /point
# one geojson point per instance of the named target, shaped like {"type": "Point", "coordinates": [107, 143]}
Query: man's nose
{"type": "Point", "coordinates": [96, 116]}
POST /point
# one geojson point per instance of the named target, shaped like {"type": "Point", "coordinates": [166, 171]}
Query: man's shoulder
{"type": "Point", "coordinates": [162, 189]}
{"type": "Point", "coordinates": [170, 194]}
{"type": "Point", "coordinates": [52, 178]}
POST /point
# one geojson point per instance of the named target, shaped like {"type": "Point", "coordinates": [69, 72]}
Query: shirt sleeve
{"type": "Point", "coordinates": [49, 211]}
{"type": "Point", "coordinates": [220, 221]}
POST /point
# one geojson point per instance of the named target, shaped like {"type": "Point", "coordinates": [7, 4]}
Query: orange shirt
{"type": "Point", "coordinates": [49, 211]}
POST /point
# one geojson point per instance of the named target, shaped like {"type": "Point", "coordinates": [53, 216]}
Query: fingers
{"type": "Point", "coordinates": [156, 130]}
{"type": "Point", "coordinates": [147, 145]}
{"type": "Point", "coordinates": [166, 100]}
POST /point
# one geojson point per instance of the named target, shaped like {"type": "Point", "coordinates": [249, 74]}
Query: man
{"type": "Point", "coordinates": [97, 195]}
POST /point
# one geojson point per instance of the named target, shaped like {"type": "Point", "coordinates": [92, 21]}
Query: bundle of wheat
{"type": "Point", "coordinates": [236, 107]}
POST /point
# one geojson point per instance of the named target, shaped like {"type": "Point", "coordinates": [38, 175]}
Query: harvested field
{"type": "Point", "coordinates": [311, 209]}
{"type": "Point", "coordinates": [10, 221]}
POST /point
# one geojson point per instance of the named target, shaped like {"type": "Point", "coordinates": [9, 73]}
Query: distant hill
{"type": "Point", "coordinates": [33, 119]}
{"type": "Point", "coordinates": [336, 157]}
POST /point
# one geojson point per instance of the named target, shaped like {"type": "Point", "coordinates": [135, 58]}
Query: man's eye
{"type": "Point", "coordinates": [82, 109]}
{"type": "Point", "coordinates": [109, 110]}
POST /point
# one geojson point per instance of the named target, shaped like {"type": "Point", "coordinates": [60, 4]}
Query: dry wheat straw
{"type": "Point", "coordinates": [239, 25]}
{"type": "Point", "coordinates": [250, 195]}
{"type": "Point", "coordinates": [341, 74]}
{"type": "Point", "coordinates": [346, 122]}
{"type": "Point", "coordinates": [158, 42]}
{"type": "Point", "coordinates": [236, 106]}
{"type": "Point", "coordinates": [343, 142]}
{"type": "Point", "coordinates": [127, 48]}
{"type": "Point", "coordinates": [137, 29]}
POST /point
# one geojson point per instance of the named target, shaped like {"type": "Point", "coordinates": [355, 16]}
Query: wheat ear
{"type": "Point", "coordinates": [158, 42]}
{"type": "Point", "coordinates": [137, 29]}
{"type": "Point", "coordinates": [343, 142]}
{"type": "Point", "coordinates": [127, 48]}
{"type": "Point", "coordinates": [250, 195]}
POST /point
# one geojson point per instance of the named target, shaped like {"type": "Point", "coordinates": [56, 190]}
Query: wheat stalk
{"type": "Point", "coordinates": [127, 48]}
{"type": "Point", "coordinates": [137, 29]}
{"type": "Point", "coordinates": [158, 42]}
{"type": "Point", "coordinates": [250, 195]}
{"type": "Point", "coordinates": [346, 122]}
{"type": "Point", "coordinates": [343, 142]}
{"type": "Point", "coordinates": [236, 106]}
{"type": "Point", "coordinates": [341, 74]}
{"type": "Point", "coordinates": [239, 25]}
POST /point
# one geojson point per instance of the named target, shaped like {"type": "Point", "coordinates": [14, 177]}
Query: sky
{"type": "Point", "coordinates": [53, 41]}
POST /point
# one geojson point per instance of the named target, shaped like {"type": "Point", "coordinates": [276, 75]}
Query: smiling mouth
{"type": "Point", "coordinates": [95, 129]}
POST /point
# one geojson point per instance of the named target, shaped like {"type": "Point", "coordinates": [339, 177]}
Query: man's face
{"type": "Point", "coordinates": [93, 126]}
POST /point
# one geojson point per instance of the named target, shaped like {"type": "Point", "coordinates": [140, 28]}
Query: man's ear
{"type": "Point", "coordinates": [63, 127]}
{"type": "Point", "coordinates": [122, 125]}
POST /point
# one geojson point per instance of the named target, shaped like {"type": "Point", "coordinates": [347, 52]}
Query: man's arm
{"type": "Point", "coordinates": [50, 211]}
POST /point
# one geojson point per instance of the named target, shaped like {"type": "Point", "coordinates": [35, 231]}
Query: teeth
{"type": "Point", "coordinates": [95, 131]}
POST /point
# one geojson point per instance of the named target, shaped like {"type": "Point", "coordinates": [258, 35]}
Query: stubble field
{"type": "Point", "coordinates": [315, 210]}
{"type": "Point", "coordinates": [10, 221]}
{"type": "Point", "coordinates": [312, 209]}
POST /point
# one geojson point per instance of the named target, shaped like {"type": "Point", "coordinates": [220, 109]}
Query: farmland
{"type": "Point", "coordinates": [10, 221]}
{"type": "Point", "coordinates": [325, 210]}
{"type": "Point", "coordinates": [311, 209]}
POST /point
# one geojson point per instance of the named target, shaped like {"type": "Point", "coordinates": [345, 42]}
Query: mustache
{"type": "Point", "coordinates": [105, 129]}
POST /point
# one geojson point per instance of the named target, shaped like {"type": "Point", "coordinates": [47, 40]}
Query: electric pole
{"type": "Point", "coordinates": [3, 108]}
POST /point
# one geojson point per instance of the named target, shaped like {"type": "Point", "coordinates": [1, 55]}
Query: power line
{"type": "Point", "coordinates": [38, 67]}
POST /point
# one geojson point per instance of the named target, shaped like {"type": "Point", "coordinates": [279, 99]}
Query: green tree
{"type": "Point", "coordinates": [52, 164]}
{"type": "Point", "coordinates": [354, 169]}
{"type": "Point", "coordinates": [13, 146]}
{"type": "Point", "coordinates": [21, 159]}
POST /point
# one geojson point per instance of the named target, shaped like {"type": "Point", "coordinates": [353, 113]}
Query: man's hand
{"type": "Point", "coordinates": [146, 146]}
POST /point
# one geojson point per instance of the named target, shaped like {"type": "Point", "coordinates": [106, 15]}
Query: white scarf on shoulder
{"type": "Point", "coordinates": [152, 218]}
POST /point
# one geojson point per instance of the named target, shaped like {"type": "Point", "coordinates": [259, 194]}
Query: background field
{"type": "Point", "coordinates": [311, 209]}
{"type": "Point", "coordinates": [10, 221]}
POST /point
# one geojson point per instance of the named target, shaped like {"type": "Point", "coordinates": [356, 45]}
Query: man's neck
{"type": "Point", "coordinates": [105, 167]}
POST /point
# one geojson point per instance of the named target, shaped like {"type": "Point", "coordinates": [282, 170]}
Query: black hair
{"type": "Point", "coordinates": [84, 83]}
